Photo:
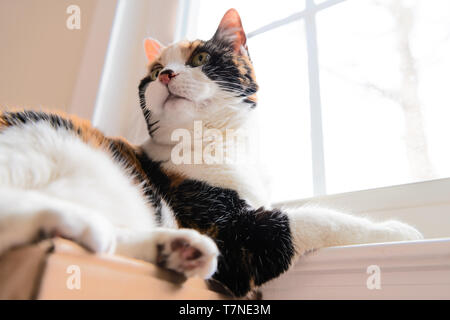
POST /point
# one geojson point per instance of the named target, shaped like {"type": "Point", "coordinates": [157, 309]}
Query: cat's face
{"type": "Point", "coordinates": [212, 81]}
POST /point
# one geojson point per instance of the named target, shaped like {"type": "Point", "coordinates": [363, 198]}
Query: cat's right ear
{"type": "Point", "coordinates": [152, 49]}
{"type": "Point", "coordinates": [230, 29]}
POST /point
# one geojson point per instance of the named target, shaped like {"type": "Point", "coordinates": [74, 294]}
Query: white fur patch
{"type": "Point", "coordinates": [57, 163]}
{"type": "Point", "coordinates": [317, 227]}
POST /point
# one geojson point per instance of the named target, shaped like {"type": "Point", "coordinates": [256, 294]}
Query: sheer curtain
{"type": "Point", "coordinates": [117, 111]}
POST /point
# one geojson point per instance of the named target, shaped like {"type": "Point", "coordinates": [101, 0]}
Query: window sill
{"type": "Point", "coordinates": [408, 270]}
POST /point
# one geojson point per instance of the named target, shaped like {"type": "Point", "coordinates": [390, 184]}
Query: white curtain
{"type": "Point", "coordinates": [117, 111]}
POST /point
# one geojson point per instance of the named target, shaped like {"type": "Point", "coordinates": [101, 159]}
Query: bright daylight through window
{"type": "Point", "coordinates": [353, 94]}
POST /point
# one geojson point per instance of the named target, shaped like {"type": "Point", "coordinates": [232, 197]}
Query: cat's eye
{"type": "Point", "coordinates": [155, 73]}
{"type": "Point", "coordinates": [200, 59]}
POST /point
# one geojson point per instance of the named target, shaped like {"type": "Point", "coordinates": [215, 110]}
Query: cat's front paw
{"type": "Point", "coordinates": [188, 252]}
{"type": "Point", "coordinates": [398, 231]}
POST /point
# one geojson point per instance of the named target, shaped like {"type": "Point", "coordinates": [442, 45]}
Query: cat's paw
{"type": "Point", "coordinates": [188, 252]}
{"type": "Point", "coordinates": [398, 231]}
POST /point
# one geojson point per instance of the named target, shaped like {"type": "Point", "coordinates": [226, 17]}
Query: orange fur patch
{"type": "Point", "coordinates": [187, 47]}
{"type": "Point", "coordinates": [175, 178]}
{"type": "Point", "coordinates": [97, 139]}
{"type": "Point", "coordinates": [3, 122]}
{"type": "Point", "coordinates": [87, 133]}
{"type": "Point", "coordinates": [241, 62]}
{"type": "Point", "coordinates": [253, 98]}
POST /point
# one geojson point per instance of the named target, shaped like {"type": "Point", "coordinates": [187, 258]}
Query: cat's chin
{"type": "Point", "coordinates": [174, 100]}
{"type": "Point", "coordinates": [172, 97]}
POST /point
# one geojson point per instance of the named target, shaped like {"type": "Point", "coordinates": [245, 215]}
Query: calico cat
{"type": "Point", "coordinates": [59, 175]}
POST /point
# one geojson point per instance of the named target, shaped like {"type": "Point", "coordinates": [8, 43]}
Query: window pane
{"type": "Point", "coordinates": [280, 62]}
{"type": "Point", "coordinates": [279, 57]}
{"type": "Point", "coordinates": [385, 69]}
{"type": "Point", "coordinates": [254, 14]}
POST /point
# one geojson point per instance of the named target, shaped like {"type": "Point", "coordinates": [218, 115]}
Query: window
{"type": "Point", "coordinates": [353, 93]}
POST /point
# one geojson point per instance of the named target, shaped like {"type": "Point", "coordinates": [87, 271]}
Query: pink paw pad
{"type": "Point", "coordinates": [188, 255]}
{"type": "Point", "coordinates": [187, 252]}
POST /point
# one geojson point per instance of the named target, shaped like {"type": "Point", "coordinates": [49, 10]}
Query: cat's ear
{"type": "Point", "coordinates": [230, 29]}
{"type": "Point", "coordinates": [152, 49]}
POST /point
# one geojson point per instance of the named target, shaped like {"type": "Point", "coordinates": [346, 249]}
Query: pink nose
{"type": "Point", "coordinates": [166, 76]}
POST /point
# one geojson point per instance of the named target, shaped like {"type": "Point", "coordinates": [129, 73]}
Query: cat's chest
{"type": "Point", "coordinates": [244, 180]}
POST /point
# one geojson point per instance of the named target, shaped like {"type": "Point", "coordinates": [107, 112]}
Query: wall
{"type": "Point", "coordinates": [41, 59]}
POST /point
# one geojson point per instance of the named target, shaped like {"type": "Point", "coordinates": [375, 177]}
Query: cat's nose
{"type": "Point", "coordinates": [166, 76]}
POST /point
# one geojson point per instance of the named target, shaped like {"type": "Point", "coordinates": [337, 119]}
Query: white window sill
{"type": "Point", "coordinates": [408, 270]}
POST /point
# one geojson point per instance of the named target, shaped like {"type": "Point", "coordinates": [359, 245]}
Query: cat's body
{"type": "Point", "coordinates": [59, 175]}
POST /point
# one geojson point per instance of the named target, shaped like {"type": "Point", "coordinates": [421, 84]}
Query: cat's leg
{"type": "Point", "coordinates": [315, 228]}
{"type": "Point", "coordinates": [26, 216]}
{"type": "Point", "coordinates": [259, 245]}
{"type": "Point", "coordinates": [185, 251]}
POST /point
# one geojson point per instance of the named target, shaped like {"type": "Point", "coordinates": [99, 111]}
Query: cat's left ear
{"type": "Point", "coordinates": [152, 49]}
{"type": "Point", "coordinates": [230, 29]}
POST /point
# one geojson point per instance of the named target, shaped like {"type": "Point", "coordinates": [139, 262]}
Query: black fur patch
{"type": "Point", "coordinates": [24, 117]}
{"type": "Point", "coordinates": [255, 244]}
{"type": "Point", "coordinates": [147, 113]}
{"type": "Point", "coordinates": [222, 68]}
